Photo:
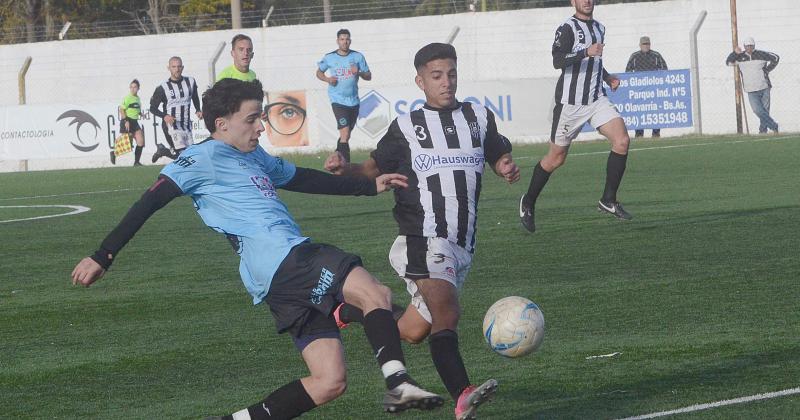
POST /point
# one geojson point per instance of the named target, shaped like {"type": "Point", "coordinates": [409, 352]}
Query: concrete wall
{"type": "Point", "coordinates": [491, 46]}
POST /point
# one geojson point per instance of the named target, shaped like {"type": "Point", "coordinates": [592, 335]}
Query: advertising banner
{"type": "Point", "coordinates": [654, 99]}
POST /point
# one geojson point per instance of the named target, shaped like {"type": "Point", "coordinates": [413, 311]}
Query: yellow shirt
{"type": "Point", "coordinates": [231, 72]}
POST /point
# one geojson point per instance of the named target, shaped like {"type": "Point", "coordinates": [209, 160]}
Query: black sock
{"type": "Point", "coordinates": [448, 362]}
{"type": "Point", "coordinates": [349, 313]}
{"type": "Point", "coordinates": [384, 337]}
{"type": "Point", "coordinates": [538, 181]}
{"type": "Point", "coordinates": [615, 168]}
{"type": "Point", "coordinates": [286, 402]}
{"type": "Point", "coordinates": [344, 149]}
{"type": "Point", "coordinates": [137, 154]}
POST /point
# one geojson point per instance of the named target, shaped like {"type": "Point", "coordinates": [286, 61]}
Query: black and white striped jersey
{"type": "Point", "coordinates": [581, 81]}
{"type": "Point", "coordinates": [442, 151]}
{"type": "Point", "coordinates": [175, 98]}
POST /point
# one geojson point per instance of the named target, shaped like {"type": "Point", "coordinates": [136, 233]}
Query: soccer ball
{"type": "Point", "coordinates": [513, 326]}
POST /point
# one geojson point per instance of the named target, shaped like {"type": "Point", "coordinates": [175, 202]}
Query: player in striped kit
{"type": "Point", "coordinates": [581, 98]}
{"type": "Point", "coordinates": [442, 148]}
{"type": "Point", "coordinates": [172, 101]}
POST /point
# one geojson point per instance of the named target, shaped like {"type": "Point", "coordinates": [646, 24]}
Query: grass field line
{"type": "Point", "coordinates": [698, 407]}
{"type": "Point", "coordinates": [75, 210]}
{"type": "Point", "coordinates": [70, 194]}
{"type": "Point", "coordinates": [675, 146]}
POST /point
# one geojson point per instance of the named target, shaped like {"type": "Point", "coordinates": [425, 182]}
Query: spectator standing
{"type": "Point", "coordinates": [755, 66]}
{"type": "Point", "coordinates": [646, 60]}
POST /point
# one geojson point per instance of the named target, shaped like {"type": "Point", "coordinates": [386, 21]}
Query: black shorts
{"type": "Point", "coordinates": [307, 287]}
{"type": "Point", "coordinates": [133, 124]}
{"type": "Point", "coordinates": [346, 116]}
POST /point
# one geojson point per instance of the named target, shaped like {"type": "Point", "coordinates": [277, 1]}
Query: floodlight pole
{"type": "Point", "coordinates": [695, 70]}
{"type": "Point", "coordinates": [236, 14]}
{"type": "Point", "coordinates": [736, 76]}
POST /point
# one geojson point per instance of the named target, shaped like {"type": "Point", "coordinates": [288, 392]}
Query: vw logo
{"type": "Point", "coordinates": [423, 162]}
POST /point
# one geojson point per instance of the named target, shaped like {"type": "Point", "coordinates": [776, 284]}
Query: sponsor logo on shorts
{"type": "Point", "coordinates": [325, 282]}
{"type": "Point", "coordinates": [343, 121]}
{"type": "Point", "coordinates": [450, 271]}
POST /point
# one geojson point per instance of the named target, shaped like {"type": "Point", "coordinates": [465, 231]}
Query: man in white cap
{"type": "Point", "coordinates": [754, 66]}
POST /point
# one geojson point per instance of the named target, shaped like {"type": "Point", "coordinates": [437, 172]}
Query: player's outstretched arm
{"type": "Point", "coordinates": [338, 165]}
{"type": "Point", "coordinates": [388, 182]}
{"type": "Point", "coordinates": [92, 268]}
{"type": "Point", "coordinates": [87, 272]}
{"type": "Point", "coordinates": [312, 181]}
{"type": "Point", "coordinates": [506, 168]}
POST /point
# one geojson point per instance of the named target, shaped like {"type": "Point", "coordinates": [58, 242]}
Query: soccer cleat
{"type": "Point", "coordinates": [160, 152]}
{"type": "Point", "coordinates": [614, 209]}
{"type": "Point", "coordinates": [137, 164]}
{"type": "Point", "coordinates": [472, 397]}
{"type": "Point", "coordinates": [113, 158]}
{"type": "Point", "coordinates": [408, 395]}
{"type": "Point", "coordinates": [339, 323]}
{"type": "Point", "coordinates": [526, 215]}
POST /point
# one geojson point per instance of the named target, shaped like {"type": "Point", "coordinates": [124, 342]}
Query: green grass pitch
{"type": "Point", "coordinates": [699, 293]}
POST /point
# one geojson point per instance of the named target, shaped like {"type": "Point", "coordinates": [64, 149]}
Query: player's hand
{"type": "Point", "coordinates": [335, 163]}
{"type": "Point", "coordinates": [506, 168]}
{"type": "Point", "coordinates": [613, 81]}
{"type": "Point", "coordinates": [199, 115]}
{"type": "Point", "coordinates": [390, 181]}
{"type": "Point", "coordinates": [354, 69]}
{"type": "Point", "coordinates": [595, 50]}
{"type": "Point", "coordinates": [169, 119]}
{"type": "Point", "coordinates": [87, 272]}
{"type": "Point", "coordinates": [127, 126]}
{"type": "Point", "coordinates": [737, 50]}
{"type": "Point", "coordinates": [332, 81]}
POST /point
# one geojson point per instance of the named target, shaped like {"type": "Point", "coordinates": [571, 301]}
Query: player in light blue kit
{"type": "Point", "coordinates": [341, 70]}
{"type": "Point", "coordinates": [233, 183]}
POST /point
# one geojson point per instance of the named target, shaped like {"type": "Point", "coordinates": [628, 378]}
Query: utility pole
{"type": "Point", "coordinates": [326, 10]}
{"type": "Point", "coordinates": [236, 14]}
{"type": "Point", "coordinates": [736, 75]}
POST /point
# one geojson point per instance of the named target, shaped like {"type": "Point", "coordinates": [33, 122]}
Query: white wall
{"type": "Point", "coordinates": [491, 46]}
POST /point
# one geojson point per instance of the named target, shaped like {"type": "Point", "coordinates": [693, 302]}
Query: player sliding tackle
{"type": "Point", "coordinates": [233, 183]}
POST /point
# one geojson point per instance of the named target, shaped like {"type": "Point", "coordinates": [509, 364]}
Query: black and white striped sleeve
{"type": "Point", "coordinates": [562, 48]}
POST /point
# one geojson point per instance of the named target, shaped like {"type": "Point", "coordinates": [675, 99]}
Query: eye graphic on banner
{"type": "Point", "coordinates": [88, 142]}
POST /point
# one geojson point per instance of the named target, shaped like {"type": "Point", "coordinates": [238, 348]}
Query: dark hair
{"type": "Point", "coordinates": [238, 38]}
{"type": "Point", "coordinates": [434, 51]}
{"type": "Point", "coordinates": [226, 97]}
{"type": "Point", "coordinates": [342, 32]}
{"type": "Point", "coordinates": [137, 82]}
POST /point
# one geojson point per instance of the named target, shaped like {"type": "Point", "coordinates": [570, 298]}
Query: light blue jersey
{"type": "Point", "coordinates": [235, 194]}
{"type": "Point", "coordinates": [341, 67]}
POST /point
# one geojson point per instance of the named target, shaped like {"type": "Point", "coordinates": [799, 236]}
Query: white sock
{"type": "Point", "coordinates": [393, 367]}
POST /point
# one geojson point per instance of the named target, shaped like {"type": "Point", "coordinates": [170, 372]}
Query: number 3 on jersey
{"type": "Point", "coordinates": [420, 132]}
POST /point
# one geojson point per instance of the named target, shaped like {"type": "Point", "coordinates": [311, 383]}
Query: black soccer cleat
{"type": "Point", "coordinates": [526, 215]}
{"type": "Point", "coordinates": [614, 209]}
{"type": "Point", "coordinates": [161, 151]}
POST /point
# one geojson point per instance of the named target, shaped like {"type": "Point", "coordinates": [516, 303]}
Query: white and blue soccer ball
{"type": "Point", "coordinates": [514, 326]}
